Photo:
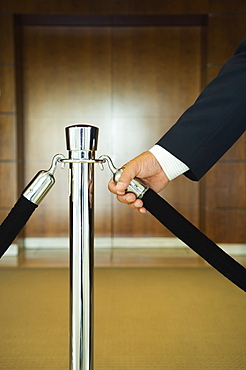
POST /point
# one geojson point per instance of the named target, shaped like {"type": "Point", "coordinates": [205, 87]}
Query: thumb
{"type": "Point", "coordinates": [129, 172]}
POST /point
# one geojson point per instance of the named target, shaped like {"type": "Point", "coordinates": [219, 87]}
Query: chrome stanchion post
{"type": "Point", "coordinates": [81, 143]}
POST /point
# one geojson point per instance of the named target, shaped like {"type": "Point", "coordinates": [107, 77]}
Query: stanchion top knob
{"type": "Point", "coordinates": [81, 136]}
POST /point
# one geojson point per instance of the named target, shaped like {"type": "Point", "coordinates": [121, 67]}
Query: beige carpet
{"type": "Point", "coordinates": [155, 319]}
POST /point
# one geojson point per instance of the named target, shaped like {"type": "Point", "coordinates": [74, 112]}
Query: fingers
{"type": "Point", "coordinates": [115, 189]}
{"type": "Point", "coordinates": [127, 175]}
{"type": "Point", "coordinates": [126, 198]}
{"type": "Point", "coordinates": [119, 188]}
{"type": "Point", "coordinates": [131, 200]}
{"type": "Point", "coordinates": [112, 186]}
{"type": "Point", "coordinates": [138, 205]}
{"type": "Point", "coordinates": [131, 170]}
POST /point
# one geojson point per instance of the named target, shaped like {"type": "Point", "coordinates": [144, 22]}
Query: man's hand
{"type": "Point", "coordinates": [148, 170]}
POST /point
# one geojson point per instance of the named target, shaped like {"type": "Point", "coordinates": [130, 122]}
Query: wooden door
{"type": "Point", "coordinates": [131, 82]}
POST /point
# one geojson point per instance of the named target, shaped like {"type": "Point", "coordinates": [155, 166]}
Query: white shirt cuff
{"type": "Point", "coordinates": [171, 165]}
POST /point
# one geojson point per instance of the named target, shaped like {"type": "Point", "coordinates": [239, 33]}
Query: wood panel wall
{"type": "Point", "coordinates": [67, 80]}
{"type": "Point", "coordinates": [222, 196]}
{"type": "Point", "coordinates": [131, 82]}
{"type": "Point", "coordinates": [8, 143]}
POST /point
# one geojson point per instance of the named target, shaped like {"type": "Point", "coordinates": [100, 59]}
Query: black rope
{"type": "Point", "coordinates": [14, 222]}
{"type": "Point", "coordinates": [195, 239]}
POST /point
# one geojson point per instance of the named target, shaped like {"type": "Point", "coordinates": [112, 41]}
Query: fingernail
{"type": "Point", "coordinates": [128, 198]}
{"type": "Point", "coordinates": [120, 188]}
{"type": "Point", "coordinates": [120, 192]}
{"type": "Point", "coordinates": [120, 184]}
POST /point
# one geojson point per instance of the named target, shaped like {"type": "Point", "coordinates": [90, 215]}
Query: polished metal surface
{"type": "Point", "coordinates": [41, 184]}
{"type": "Point", "coordinates": [82, 160]}
{"type": "Point", "coordinates": [81, 137]}
{"type": "Point", "coordinates": [81, 143]}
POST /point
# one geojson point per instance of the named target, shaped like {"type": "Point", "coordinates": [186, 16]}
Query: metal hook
{"type": "Point", "coordinates": [105, 158]}
{"type": "Point", "coordinates": [57, 158]}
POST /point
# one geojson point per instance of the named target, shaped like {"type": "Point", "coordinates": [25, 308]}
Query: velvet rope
{"type": "Point", "coordinates": [194, 238]}
{"type": "Point", "coordinates": [14, 222]}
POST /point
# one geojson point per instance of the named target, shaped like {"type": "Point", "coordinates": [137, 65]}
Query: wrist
{"type": "Point", "coordinates": [171, 165]}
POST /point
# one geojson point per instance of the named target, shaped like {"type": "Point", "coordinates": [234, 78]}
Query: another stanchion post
{"type": "Point", "coordinates": [81, 143]}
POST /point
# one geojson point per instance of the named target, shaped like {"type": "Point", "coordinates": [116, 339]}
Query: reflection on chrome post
{"type": "Point", "coordinates": [81, 144]}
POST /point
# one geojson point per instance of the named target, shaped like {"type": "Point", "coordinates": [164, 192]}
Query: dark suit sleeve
{"type": "Point", "coordinates": [214, 122]}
